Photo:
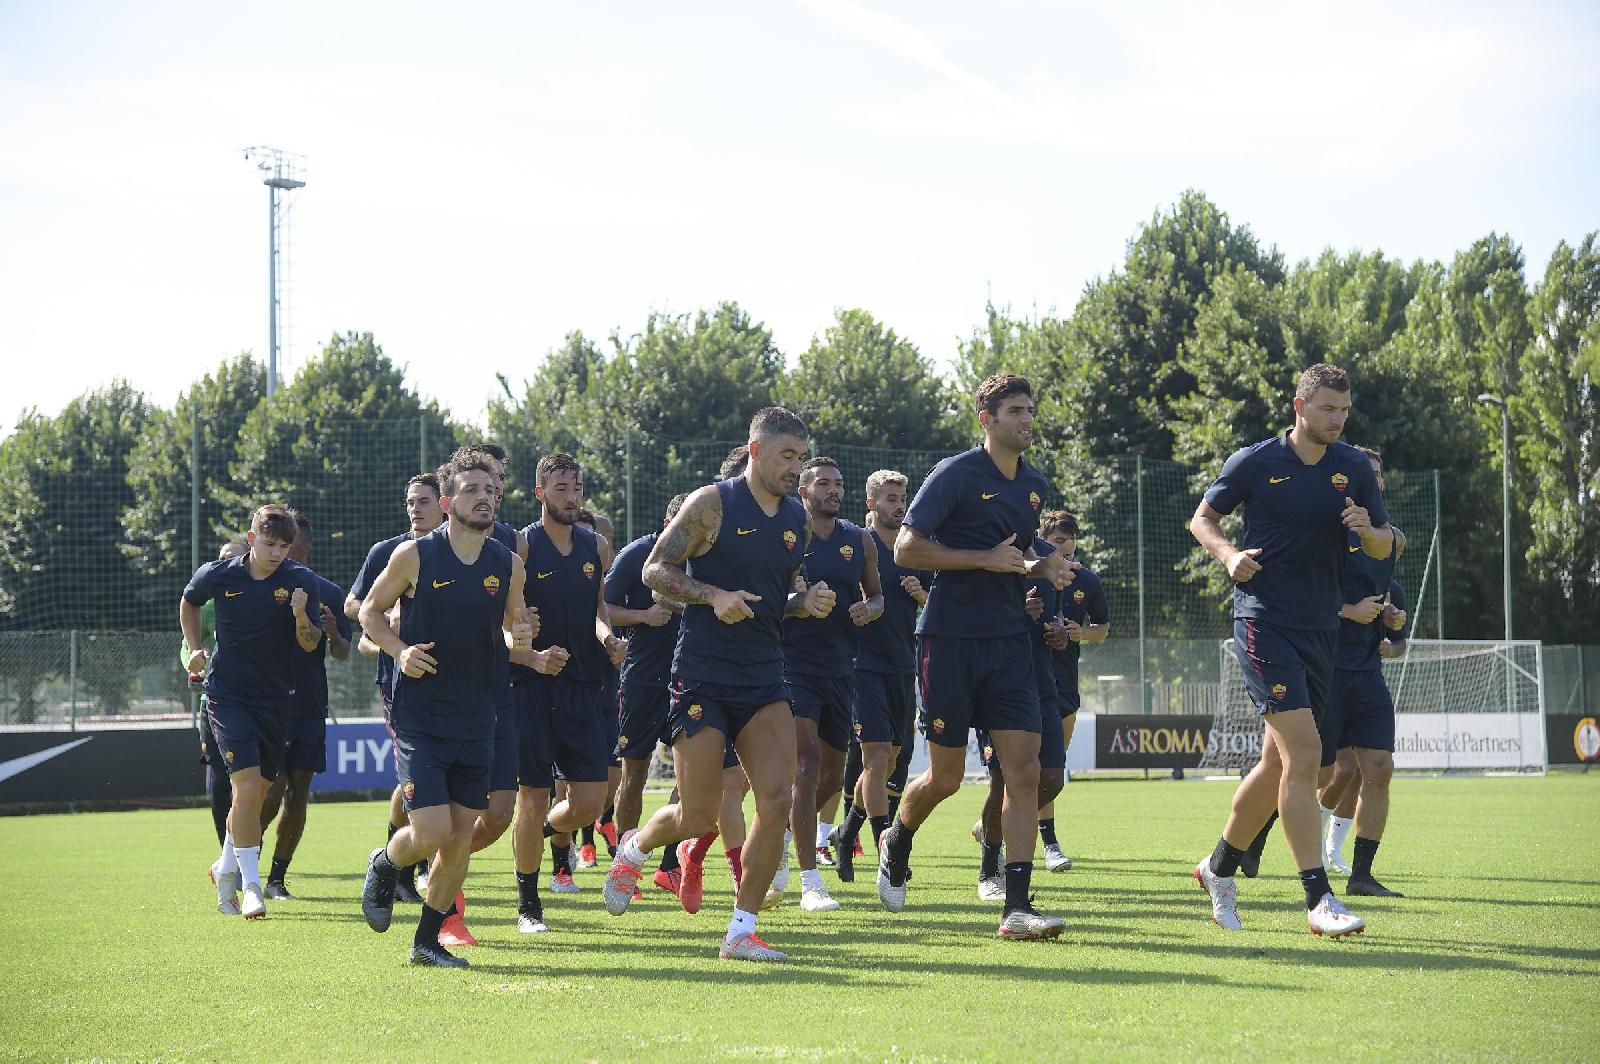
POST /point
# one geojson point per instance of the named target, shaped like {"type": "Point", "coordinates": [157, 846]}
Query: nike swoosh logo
{"type": "Point", "coordinates": [1355, 548]}
{"type": "Point", "coordinates": [987, 495]}
{"type": "Point", "coordinates": [541, 576]}
{"type": "Point", "coordinates": [19, 765]}
{"type": "Point", "coordinates": [232, 594]}
{"type": "Point", "coordinates": [1278, 480]}
{"type": "Point", "coordinates": [744, 531]}
{"type": "Point", "coordinates": [442, 583]}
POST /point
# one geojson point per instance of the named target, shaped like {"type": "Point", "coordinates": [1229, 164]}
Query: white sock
{"type": "Point", "coordinates": [249, 858]}
{"type": "Point", "coordinates": [810, 879]}
{"type": "Point", "coordinates": [1341, 831]}
{"type": "Point", "coordinates": [631, 853]}
{"type": "Point", "coordinates": [227, 862]}
{"type": "Point", "coordinates": [823, 831]}
{"type": "Point", "coordinates": [743, 923]}
{"type": "Point", "coordinates": [1327, 817]}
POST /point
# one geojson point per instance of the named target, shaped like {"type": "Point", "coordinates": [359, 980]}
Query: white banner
{"type": "Point", "coordinates": [1468, 740]}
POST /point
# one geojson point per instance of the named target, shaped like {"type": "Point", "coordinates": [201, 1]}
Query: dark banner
{"type": "Point", "coordinates": [1176, 741]}
{"type": "Point", "coordinates": [1573, 739]}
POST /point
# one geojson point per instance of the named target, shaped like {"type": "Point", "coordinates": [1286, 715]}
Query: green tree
{"type": "Point", "coordinates": [157, 520]}
{"type": "Point", "coordinates": [860, 384]}
{"type": "Point", "coordinates": [338, 442]}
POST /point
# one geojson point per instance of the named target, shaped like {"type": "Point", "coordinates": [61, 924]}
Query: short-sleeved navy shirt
{"type": "Point", "coordinates": [1292, 512]}
{"type": "Point", "coordinates": [1364, 577]}
{"type": "Point", "coordinates": [968, 504]}
{"type": "Point", "coordinates": [889, 644]}
{"type": "Point", "coordinates": [649, 660]}
{"type": "Point", "coordinates": [311, 666]}
{"type": "Point", "coordinates": [826, 646]}
{"type": "Point", "coordinates": [376, 562]}
{"type": "Point", "coordinates": [256, 645]}
{"type": "Point", "coordinates": [1083, 602]}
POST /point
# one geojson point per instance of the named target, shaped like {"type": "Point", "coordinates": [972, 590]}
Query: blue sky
{"type": "Point", "coordinates": [484, 179]}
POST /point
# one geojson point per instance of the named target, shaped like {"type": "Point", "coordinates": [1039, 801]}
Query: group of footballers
{"type": "Point", "coordinates": [777, 649]}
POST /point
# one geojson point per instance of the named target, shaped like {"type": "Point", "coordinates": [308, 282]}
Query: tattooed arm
{"type": "Point", "coordinates": [689, 535]}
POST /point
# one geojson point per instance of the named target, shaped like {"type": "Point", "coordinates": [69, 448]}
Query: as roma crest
{"type": "Point", "coordinates": [1340, 481]}
{"type": "Point", "coordinates": [491, 584]}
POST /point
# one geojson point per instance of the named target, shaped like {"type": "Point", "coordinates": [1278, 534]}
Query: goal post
{"type": "Point", "coordinates": [1460, 705]}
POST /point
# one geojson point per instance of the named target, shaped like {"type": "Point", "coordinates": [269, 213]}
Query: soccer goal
{"type": "Point", "coordinates": [1459, 705]}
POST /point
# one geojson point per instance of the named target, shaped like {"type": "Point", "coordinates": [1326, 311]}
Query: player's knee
{"type": "Point", "coordinates": [775, 806]}
{"type": "Point", "coordinates": [1378, 770]}
{"type": "Point", "coordinates": [429, 835]}
{"type": "Point", "coordinates": [944, 783]}
{"type": "Point", "coordinates": [1051, 781]}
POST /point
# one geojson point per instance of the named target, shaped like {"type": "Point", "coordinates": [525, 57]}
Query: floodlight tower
{"type": "Point", "coordinates": [282, 172]}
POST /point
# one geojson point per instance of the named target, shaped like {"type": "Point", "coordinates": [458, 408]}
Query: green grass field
{"type": "Point", "coordinates": [114, 949]}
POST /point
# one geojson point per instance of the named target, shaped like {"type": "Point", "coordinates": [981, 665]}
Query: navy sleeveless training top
{"type": "Point", "coordinates": [460, 609]}
{"type": "Point", "coordinates": [754, 553]}
{"type": "Point", "coordinates": [566, 590]}
{"type": "Point", "coordinates": [826, 646]}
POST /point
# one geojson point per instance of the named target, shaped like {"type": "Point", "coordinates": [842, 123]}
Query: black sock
{"type": "Point", "coordinates": [280, 868]}
{"type": "Point", "coordinates": [1225, 859]}
{"type": "Point", "coordinates": [383, 864]}
{"type": "Point", "coordinates": [894, 806]}
{"type": "Point", "coordinates": [428, 927]}
{"type": "Point", "coordinates": [1047, 831]}
{"type": "Point", "coordinates": [1315, 880]}
{"type": "Point", "coordinates": [898, 839]}
{"type": "Point", "coordinates": [1018, 876]}
{"type": "Point", "coordinates": [588, 834]}
{"type": "Point", "coordinates": [880, 824]}
{"type": "Point", "coordinates": [989, 865]}
{"type": "Point", "coordinates": [528, 894]}
{"type": "Point", "coordinates": [669, 857]}
{"type": "Point", "coordinates": [854, 820]}
{"type": "Point", "coordinates": [392, 830]}
{"type": "Point", "coordinates": [1259, 843]}
{"type": "Point", "coordinates": [1366, 850]}
{"type": "Point", "coordinates": [849, 807]}
{"type": "Point", "coordinates": [548, 830]}
{"type": "Point", "coordinates": [558, 855]}
{"type": "Point", "coordinates": [609, 815]}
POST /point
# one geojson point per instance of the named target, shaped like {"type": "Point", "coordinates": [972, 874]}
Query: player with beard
{"type": "Point", "coordinates": [557, 722]}
{"type": "Point", "coordinates": [265, 603]}
{"type": "Point", "coordinates": [819, 661]}
{"type": "Point", "coordinates": [1083, 618]}
{"type": "Point", "coordinates": [885, 708]}
{"type": "Point", "coordinates": [423, 514]}
{"type": "Point", "coordinates": [972, 523]}
{"type": "Point", "coordinates": [744, 538]}
{"type": "Point", "coordinates": [308, 745]}
{"type": "Point", "coordinates": [461, 623]}
{"type": "Point", "coordinates": [1309, 501]}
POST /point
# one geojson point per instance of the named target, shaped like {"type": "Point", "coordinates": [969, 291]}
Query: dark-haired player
{"type": "Point", "coordinates": [1309, 502]}
{"type": "Point", "coordinates": [462, 619]}
{"type": "Point", "coordinates": [423, 515]}
{"type": "Point", "coordinates": [1083, 618]}
{"type": "Point", "coordinates": [972, 523]}
{"type": "Point", "coordinates": [744, 539]}
{"type": "Point", "coordinates": [265, 603]}
{"type": "Point", "coordinates": [885, 706]}
{"type": "Point", "coordinates": [308, 743]}
{"type": "Point", "coordinates": [819, 661]}
{"type": "Point", "coordinates": [558, 725]}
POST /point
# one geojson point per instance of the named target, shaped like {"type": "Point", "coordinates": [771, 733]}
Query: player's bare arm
{"type": "Point", "coordinates": [1376, 542]}
{"type": "Point", "coordinates": [688, 535]}
{"type": "Point", "coordinates": [615, 646]}
{"type": "Point", "coordinates": [915, 550]}
{"type": "Point", "coordinates": [870, 608]}
{"type": "Point", "coordinates": [189, 621]}
{"type": "Point", "coordinates": [307, 634]}
{"type": "Point", "coordinates": [352, 608]}
{"type": "Point", "coordinates": [398, 578]}
{"type": "Point", "coordinates": [1206, 527]}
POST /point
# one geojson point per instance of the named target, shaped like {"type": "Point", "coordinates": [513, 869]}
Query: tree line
{"type": "Point", "coordinates": [1185, 351]}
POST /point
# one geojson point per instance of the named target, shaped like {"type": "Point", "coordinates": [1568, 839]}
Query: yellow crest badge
{"type": "Point", "coordinates": [937, 725]}
{"type": "Point", "coordinates": [1278, 691]}
{"type": "Point", "coordinates": [1034, 501]}
{"type": "Point", "coordinates": [846, 551]}
{"type": "Point", "coordinates": [491, 584]}
{"type": "Point", "coordinates": [588, 570]}
{"type": "Point", "coordinates": [695, 712]}
{"type": "Point", "coordinates": [281, 594]}
{"type": "Point", "coordinates": [409, 790]}
{"type": "Point", "coordinates": [789, 540]}
{"type": "Point", "coordinates": [228, 757]}
{"type": "Point", "coordinates": [1078, 596]}
{"type": "Point", "coordinates": [1340, 481]}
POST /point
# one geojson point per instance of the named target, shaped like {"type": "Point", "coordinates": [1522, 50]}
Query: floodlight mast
{"type": "Point", "coordinates": [282, 172]}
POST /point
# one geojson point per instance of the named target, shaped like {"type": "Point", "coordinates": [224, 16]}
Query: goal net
{"type": "Point", "coordinates": [1459, 704]}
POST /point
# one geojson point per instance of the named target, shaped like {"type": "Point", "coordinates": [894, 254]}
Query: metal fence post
{"type": "Point", "coordinates": [1138, 482]}
{"type": "Point", "coordinates": [72, 676]}
{"type": "Point", "coordinates": [627, 481]}
{"type": "Point", "coordinates": [422, 441]}
{"type": "Point", "coordinates": [1438, 524]}
{"type": "Point", "coordinates": [194, 528]}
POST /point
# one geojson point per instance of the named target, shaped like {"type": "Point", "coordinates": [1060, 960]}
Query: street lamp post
{"type": "Point", "coordinates": [1505, 501]}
